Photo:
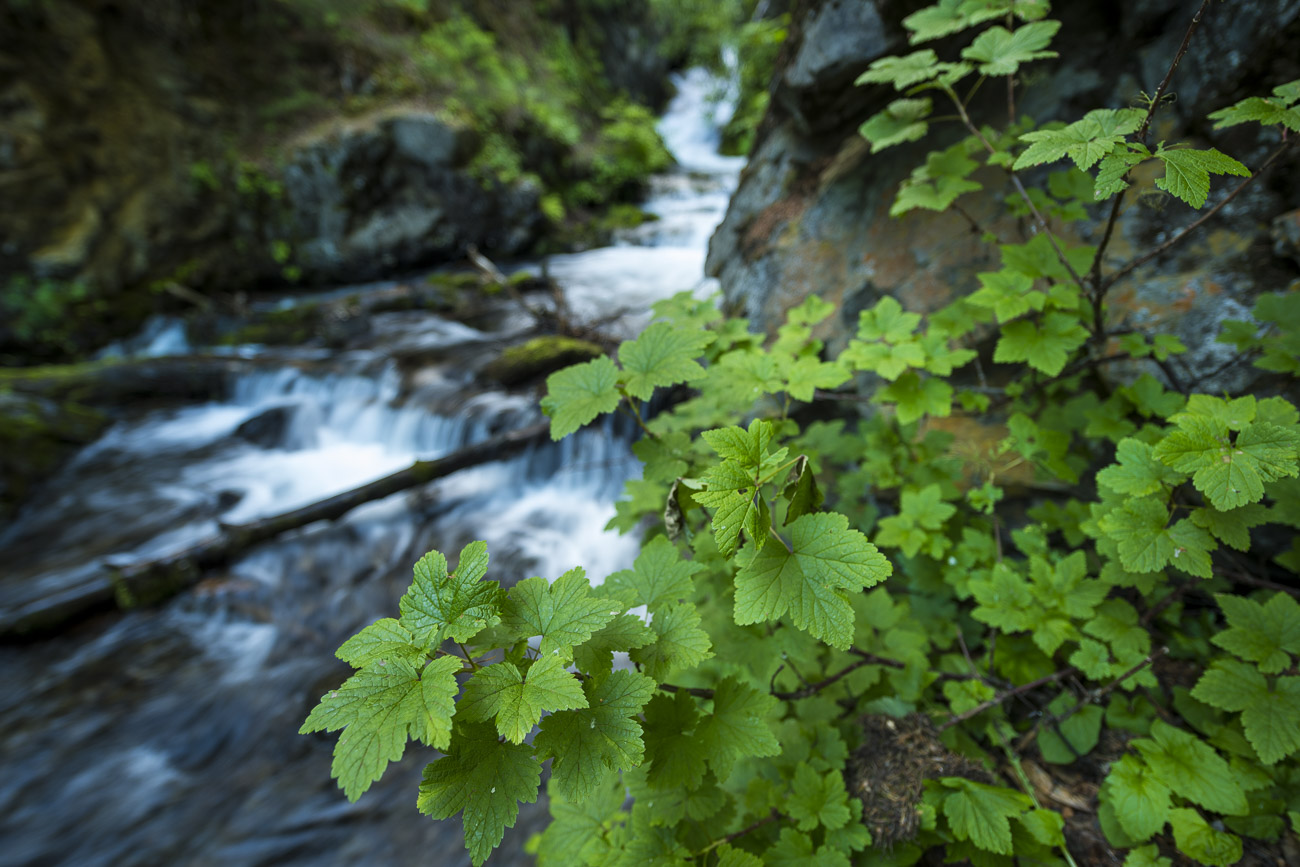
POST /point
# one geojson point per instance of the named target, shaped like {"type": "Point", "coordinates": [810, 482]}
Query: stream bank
{"type": "Point", "coordinates": [168, 734]}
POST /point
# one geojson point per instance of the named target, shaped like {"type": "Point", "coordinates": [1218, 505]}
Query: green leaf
{"type": "Point", "coordinates": [624, 633]}
{"type": "Point", "coordinates": [680, 643]}
{"type": "Point", "coordinates": [1046, 348]}
{"type": "Point", "coordinates": [826, 560]}
{"type": "Point", "coordinates": [458, 605]}
{"type": "Point", "coordinates": [1113, 169]}
{"type": "Point", "coordinates": [1192, 769]}
{"type": "Point", "coordinates": [577, 394]}
{"type": "Point", "coordinates": [887, 321]}
{"type": "Point", "coordinates": [902, 120]}
{"type": "Point", "coordinates": [1093, 659]}
{"type": "Point", "coordinates": [378, 708]}
{"type": "Point", "coordinates": [982, 813]}
{"type": "Point", "coordinates": [517, 699]}
{"type": "Point", "coordinates": [1187, 172]}
{"type": "Point", "coordinates": [999, 51]}
{"type": "Point", "coordinates": [915, 397]}
{"type": "Point", "coordinates": [659, 576]}
{"type": "Point", "coordinates": [1086, 141]}
{"type": "Point", "coordinates": [663, 354]}
{"type": "Point", "coordinates": [746, 447]}
{"type": "Point", "coordinates": [603, 736]}
{"type": "Point", "coordinates": [1263, 634]}
{"type": "Point", "coordinates": [564, 614]}
{"type": "Point", "coordinates": [801, 492]}
{"type": "Point", "coordinates": [1230, 474]}
{"type": "Point", "coordinates": [487, 780]}
{"type": "Point", "coordinates": [1139, 528]}
{"type": "Point", "coordinates": [938, 182]}
{"type": "Point", "coordinates": [1006, 292]}
{"type": "Point", "coordinates": [385, 639]}
{"type": "Point", "coordinates": [577, 831]}
{"type": "Point", "coordinates": [1073, 737]}
{"type": "Point", "coordinates": [737, 727]}
{"type": "Point", "coordinates": [1194, 837]}
{"type": "Point", "coordinates": [1232, 527]}
{"type": "Point", "coordinates": [1141, 800]}
{"type": "Point", "coordinates": [1268, 715]}
{"type": "Point", "coordinates": [1147, 856]}
{"type": "Point", "coordinates": [677, 758]}
{"type": "Point", "coordinates": [730, 488]}
{"type": "Point", "coordinates": [903, 72]}
{"type": "Point", "coordinates": [731, 857]}
{"type": "Point", "coordinates": [818, 799]}
{"type": "Point", "coordinates": [952, 16]}
{"type": "Point", "coordinates": [806, 374]}
{"type": "Point", "coordinates": [1279, 109]}
{"type": "Point", "coordinates": [795, 849]}
{"type": "Point", "coordinates": [1138, 473]}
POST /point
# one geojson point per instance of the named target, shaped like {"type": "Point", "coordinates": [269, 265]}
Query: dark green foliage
{"type": "Point", "coordinates": [1060, 591]}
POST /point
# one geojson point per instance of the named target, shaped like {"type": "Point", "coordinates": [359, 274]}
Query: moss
{"type": "Point", "coordinates": [37, 434]}
{"type": "Point", "coordinates": [290, 326]}
{"type": "Point", "coordinates": [538, 357]}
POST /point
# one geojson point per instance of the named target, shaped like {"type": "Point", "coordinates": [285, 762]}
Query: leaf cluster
{"type": "Point", "coordinates": [1004, 518]}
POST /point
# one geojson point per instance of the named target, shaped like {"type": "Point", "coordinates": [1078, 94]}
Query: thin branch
{"type": "Point", "coordinates": [1010, 693]}
{"type": "Point", "coordinates": [1243, 578]}
{"type": "Point", "coordinates": [1094, 271]}
{"type": "Point", "coordinates": [814, 688]}
{"type": "Point", "coordinates": [771, 817]}
{"type": "Point", "coordinates": [1156, 251]}
{"type": "Point", "coordinates": [1088, 698]}
{"type": "Point", "coordinates": [1020, 188]}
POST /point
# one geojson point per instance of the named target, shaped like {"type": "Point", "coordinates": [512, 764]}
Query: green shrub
{"type": "Point", "coordinates": [1065, 588]}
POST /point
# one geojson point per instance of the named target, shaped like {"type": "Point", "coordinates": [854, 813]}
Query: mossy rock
{"type": "Point", "coordinates": [37, 435]}
{"type": "Point", "coordinates": [290, 326]}
{"type": "Point", "coordinates": [539, 357]}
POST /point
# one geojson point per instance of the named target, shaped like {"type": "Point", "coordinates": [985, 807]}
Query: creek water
{"type": "Point", "coordinates": [168, 735]}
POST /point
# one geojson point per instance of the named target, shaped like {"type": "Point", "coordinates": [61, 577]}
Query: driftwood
{"type": "Point", "coordinates": [154, 580]}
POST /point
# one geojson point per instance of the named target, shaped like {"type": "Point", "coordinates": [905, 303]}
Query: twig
{"type": "Point", "coordinates": [814, 688]}
{"type": "Point", "coordinates": [771, 817]}
{"type": "Point", "coordinates": [1087, 699]}
{"type": "Point", "coordinates": [1024, 194]}
{"type": "Point", "coordinates": [1156, 251]}
{"type": "Point", "coordinates": [1010, 693]}
{"type": "Point", "coordinates": [1094, 270]}
{"type": "Point", "coordinates": [1243, 578]}
{"type": "Point", "coordinates": [1169, 599]}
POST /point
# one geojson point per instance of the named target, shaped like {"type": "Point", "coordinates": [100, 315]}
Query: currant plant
{"type": "Point", "coordinates": [1066, 618]}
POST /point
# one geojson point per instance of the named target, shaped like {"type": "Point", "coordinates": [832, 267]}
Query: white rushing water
{"type": "Point", "coordinates": [168, 735]}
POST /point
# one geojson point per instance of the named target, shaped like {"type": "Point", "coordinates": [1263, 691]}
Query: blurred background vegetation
{"type": "Point", "coordinates": [147, 148]}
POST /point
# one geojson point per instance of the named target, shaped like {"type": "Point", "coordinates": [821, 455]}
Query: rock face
{"type": "Point", "coordinates": [391, 191]}
{"type": "Point", "coordinates": [811, 211]}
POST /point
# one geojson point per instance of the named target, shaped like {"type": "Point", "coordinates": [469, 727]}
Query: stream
{"type": "Point", "coordinates": [168, 735]}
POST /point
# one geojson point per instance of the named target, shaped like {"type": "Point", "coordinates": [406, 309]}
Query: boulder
{"type": "Point", "coordinates": [394, 190]}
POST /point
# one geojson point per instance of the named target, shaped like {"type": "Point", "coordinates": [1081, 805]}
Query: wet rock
{"type": "Point", "coordinates": [394, 190]}
{"type": "Point", "coordinates": [269, 429]}
{"type": "Point", "coordinates": [1286, 235]}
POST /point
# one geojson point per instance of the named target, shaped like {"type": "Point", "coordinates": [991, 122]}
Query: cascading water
{"type": "Point", "coordinates": [168, 735]}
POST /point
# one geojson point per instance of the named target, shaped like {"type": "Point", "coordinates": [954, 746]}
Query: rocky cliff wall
{"type": "Point", "coordinates": [810, 215]}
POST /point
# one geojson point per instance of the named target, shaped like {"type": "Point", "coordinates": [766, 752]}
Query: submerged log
{"type": "Point", "coordinates": [152, 581]}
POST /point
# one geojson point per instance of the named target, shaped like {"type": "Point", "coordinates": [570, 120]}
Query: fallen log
{"type": "Point", "coordinates": [117, 382]}
{"type": "Point", "coordinates": [150, 582]}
